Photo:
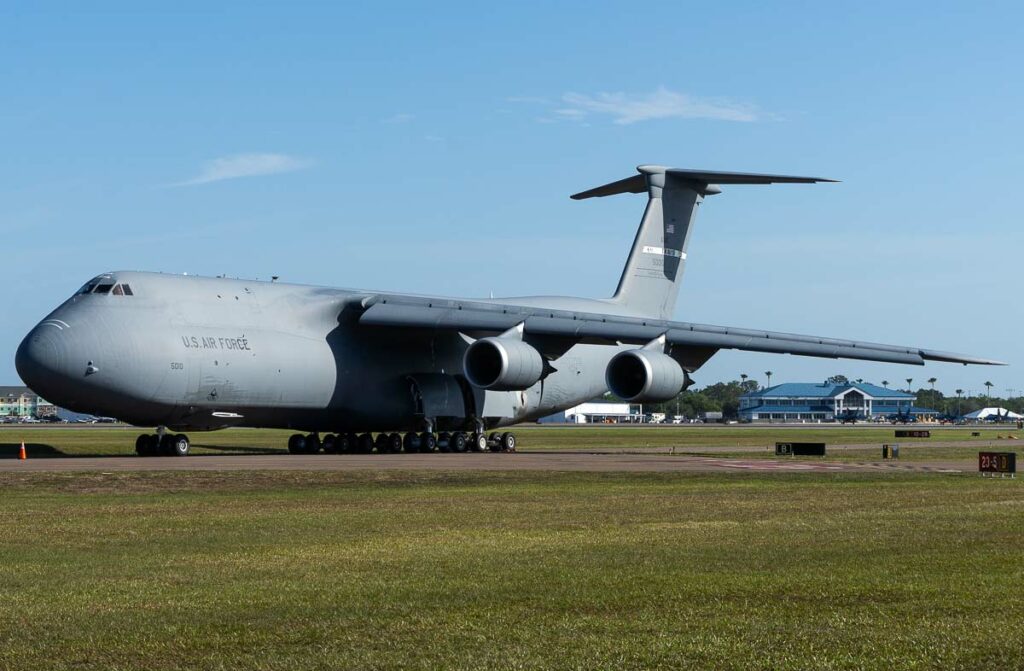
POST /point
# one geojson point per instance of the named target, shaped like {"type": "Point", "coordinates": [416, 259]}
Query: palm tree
{"type": "Point", "coordinates": [768, 373]}
{"type": "Point", "coordinates": [885, 383]}
{"type": "Point", "coordinates": [959, 392]}
{"type": "Point", "coordinates": [932, 381]}
{"type": "Point", "coordinates": [743, 378]}
{"type": "Point", "coordinates": [909, 380]}
{"type": "Point", "coordinates": [989, 385]}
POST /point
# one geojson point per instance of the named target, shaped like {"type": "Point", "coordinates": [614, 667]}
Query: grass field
{"type": "Point", "coordinates": [329, 570]}
{"type": "Point", "coordinates": [94, 440]}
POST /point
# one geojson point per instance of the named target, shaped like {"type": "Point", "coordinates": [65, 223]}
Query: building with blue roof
{"type": "Point", "coordinates": [825, 402]}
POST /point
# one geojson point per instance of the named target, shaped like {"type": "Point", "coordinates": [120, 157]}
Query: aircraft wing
{"type": "Point", "coordinates": [492, 318]}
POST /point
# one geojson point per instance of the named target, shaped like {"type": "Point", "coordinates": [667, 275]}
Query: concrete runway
{"type": "Point", "coordinates": [519, 461]}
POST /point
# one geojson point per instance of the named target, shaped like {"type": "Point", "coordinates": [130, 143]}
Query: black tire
{"type": "Point", "coordinates": [411, 442]}
{"type": "Point", "coordinates": [343, 444]}
{"type": "Point", "coordinates": [428, 442]}
{"type": "Point", "coordinates": [180, 445]}
{"type": "Point", "coordinates": [330, 443]}
{"type": "Point", "coordinates": [478, 442]}
{"type": "Point", "coordinates": [365, 443]}
{"type": "Point", "coordinates": [395, 443]}
{"type": "Point", "coordinates": [143, 445]}
{"type": "Point", "coordinates": [381, 443]}
{"type": "Point", "coordinates": [458, 442]}
{"type": "Point", "coordinates": [508, 442]}
{"type": "Point", "coordinates": [444, 443]}
{"type": "Point", "coordinates": [166, 443]}
{"type": "Point", "coordinates": [296, 444]}
{"type": "Point", "coordinates": [494, 442]}
{"type": "Point", "coordinates": [312, 444]}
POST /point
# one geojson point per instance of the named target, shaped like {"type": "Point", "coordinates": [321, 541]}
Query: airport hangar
{"type": "Point", "coordinates": [824, 401]}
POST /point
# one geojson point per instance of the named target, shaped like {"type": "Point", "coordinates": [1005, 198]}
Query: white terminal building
{"type": "Point", "coordinates": [824, 402]}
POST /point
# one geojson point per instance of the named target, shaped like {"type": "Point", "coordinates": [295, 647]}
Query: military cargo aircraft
{"type": "Point", "coordinates": [187, 353]}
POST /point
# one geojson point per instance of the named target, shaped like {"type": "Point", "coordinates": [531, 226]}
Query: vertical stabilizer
{"type": "Point", "coordinates": [650, 281]}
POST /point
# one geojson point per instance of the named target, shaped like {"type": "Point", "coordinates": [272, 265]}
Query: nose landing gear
{"type": "Point", "coordinates": [162, 444]}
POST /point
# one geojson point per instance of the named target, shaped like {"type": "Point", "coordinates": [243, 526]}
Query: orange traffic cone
{"type": "Point", "coordinates": [22, 454]}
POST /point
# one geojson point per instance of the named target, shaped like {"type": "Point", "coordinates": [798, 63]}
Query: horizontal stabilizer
{"type": "Point", "coordinates": [638, 183]}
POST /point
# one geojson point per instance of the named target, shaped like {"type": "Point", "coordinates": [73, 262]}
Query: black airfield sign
{"type": "Point", "coordinates": [913, 433]}
{"type": "Point", "coordinates": [997, 462]}
{"type": "Point", "coordinates": [800, 449]}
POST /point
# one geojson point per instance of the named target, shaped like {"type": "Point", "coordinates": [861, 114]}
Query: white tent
{"type": "Point", "coordinates": [990, 413]}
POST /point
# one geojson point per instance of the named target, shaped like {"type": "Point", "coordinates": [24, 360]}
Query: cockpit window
{"type": "Point", "coordinates": [87, 288]}
{"type": "Point", "coordinates": [127, 290]}
{"type": "Point", "coordinates": [118, 291]}
{"type": "Point", "coordinates": [103, 289]}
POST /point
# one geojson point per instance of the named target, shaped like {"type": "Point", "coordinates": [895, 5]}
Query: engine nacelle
{"type": "Point", "coordinates": [644, 375]}
{"type": "Point", "coordinates": [502, 364]}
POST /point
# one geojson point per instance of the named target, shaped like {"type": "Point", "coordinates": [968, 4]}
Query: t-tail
{"type": "Point", "coordinates": [654, 269]}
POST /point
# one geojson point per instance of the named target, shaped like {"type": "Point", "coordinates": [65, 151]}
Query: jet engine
{"type": "Point", "coordinates": [644, 375]}
{"type": "Point", "coordinates": [502, 364]}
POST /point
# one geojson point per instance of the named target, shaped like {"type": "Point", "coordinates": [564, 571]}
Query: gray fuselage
{"type": "Point", "coordinates": [201, 353]}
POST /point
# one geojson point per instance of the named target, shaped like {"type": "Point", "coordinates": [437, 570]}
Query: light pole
{"type": "Point", "coordinates": [768, 374]}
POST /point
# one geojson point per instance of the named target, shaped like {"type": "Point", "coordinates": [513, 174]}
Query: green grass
{"type": "Point", "coordinates": [329, 570]}
{"type": "Point", "coordinates": [92, 440]}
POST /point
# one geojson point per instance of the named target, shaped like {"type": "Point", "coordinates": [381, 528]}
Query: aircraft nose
{"type": "Point", "coordinates": [40, 359]}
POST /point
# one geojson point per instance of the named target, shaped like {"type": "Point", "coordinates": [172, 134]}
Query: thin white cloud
{"type": "Point", "coordinates": [245, 165]}
{"type": "Point", "coordinates": [629, 108]}
{"type": "Point", "coordinates": [399, 118]}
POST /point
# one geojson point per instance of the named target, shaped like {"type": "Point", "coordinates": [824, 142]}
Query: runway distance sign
{"type": "Point", "coordinates": [913, 433]}
{"type": "Point", "coordinates": [997, 462]}
{"type": "Point", "coordinates": [800, 449]}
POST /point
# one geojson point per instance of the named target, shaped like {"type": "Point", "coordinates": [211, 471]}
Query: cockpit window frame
{"type": "Point", "coordinates": [103, 288]}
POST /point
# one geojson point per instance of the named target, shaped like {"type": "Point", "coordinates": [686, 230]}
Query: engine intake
{"type": "Point", "coordinates": [502, 364]}
{"type": "Point", "coordinates": [644, 375]}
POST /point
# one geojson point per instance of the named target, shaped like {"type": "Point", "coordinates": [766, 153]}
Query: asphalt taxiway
{"type": "Point", "coordinates": [661, 462]}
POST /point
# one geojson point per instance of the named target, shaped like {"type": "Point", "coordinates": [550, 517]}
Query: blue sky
{"type": "Point", "coordinates": [432, 148]}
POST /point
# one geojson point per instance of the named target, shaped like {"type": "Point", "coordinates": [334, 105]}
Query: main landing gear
{"type": "Point", "coordinates": [393, 443]}
{"type": "Point", "coordinates": [162, 444]}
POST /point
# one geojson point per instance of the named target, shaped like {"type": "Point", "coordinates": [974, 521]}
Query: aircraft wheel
{"type": "Point", "coordinates": [395, 443]}
{"type": "Point", "coordinates": [365, 443]}
{"type": "Point", "coordinates": [166, 445]}
{"type": "Point", "coordinates": [312, 444]}
{"type": "Point", "coordinates": [296, 443]}
{"type": "Point", "coordinates": [494, 442]}
{"type": "Point", "coordinates": [330, 444]}
{"type": "Point", "coordinates": [428, 442]}
{"type": "Point", "coordinates": [179, 445]}
{"type": "Point", "coordinates": [458, 442]}
{"type": "Point", "coordinates": [342, 444]}
{"type": "Point", "coordinates": [411, 442]}
{"type": "Point", "coordinates": [508, 442]}
{"type": "Point", "coordinates": [478, 442]}
{"type": "Point", "coordinates": [145, 445]}
{"type": "Point", "coordinates": [381, 443]}
{"type": "Point", "coordinates": [444, 442]}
